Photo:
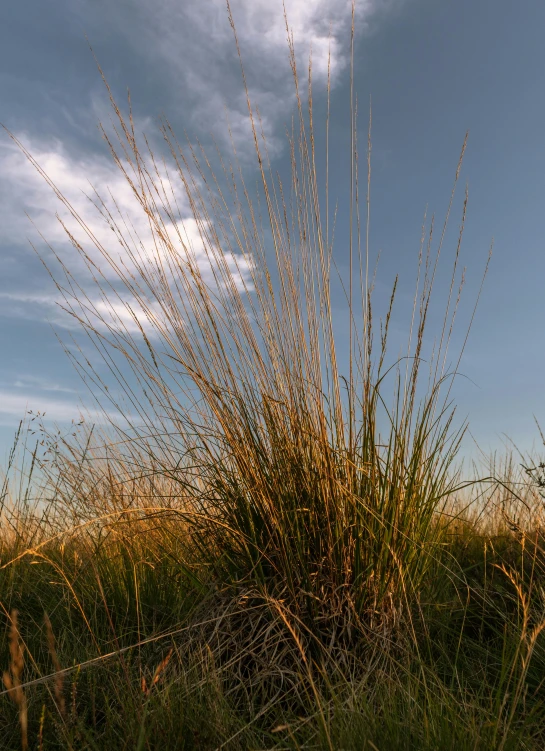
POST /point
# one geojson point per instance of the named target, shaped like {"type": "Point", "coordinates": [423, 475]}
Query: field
{"type": "Point", "coordinates": [269, 542]}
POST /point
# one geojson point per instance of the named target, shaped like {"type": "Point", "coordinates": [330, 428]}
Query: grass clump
{"type": "Point", "coordinates": [265, 551]}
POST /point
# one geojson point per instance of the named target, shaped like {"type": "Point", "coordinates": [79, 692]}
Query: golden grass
{"type": "Point", "coordinates": [307, 517]}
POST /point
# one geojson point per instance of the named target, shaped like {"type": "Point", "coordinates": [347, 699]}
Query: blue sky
{"type": "Point", "coordinates": [434, 69]}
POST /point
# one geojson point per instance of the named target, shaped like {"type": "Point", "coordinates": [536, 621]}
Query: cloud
{"type": "Point", "coordinates": [201, 28]}
{"type": "Point", "coordinates": [116, 222]}
{"type": "Point", "coordinates": [29, 306]}
{"type": "Point", "coordinates": [24, 191]}
{"type": "Point", "coordinates": [53, 402]}
{"type": "Point", "coordinates": [319, 26]}
{"type": "Point", "coordinates": [32, 381]}
{"type": "Point", "coordinates": [79, 178]}
{"type": "Point", "coordinates": [189, 48]}
{"type": "Point", "coordinates": [30, 392]}
{"type": "Point", "coordinates": [14, 405]}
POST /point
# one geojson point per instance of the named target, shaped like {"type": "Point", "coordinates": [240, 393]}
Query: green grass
{"type": "Point", "coordinates": [275, 547]}
{"type": "Point", "coordinates": [452, 675]}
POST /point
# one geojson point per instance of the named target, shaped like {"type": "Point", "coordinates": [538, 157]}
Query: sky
{"type": "Point", "coordinates": [433, 69]}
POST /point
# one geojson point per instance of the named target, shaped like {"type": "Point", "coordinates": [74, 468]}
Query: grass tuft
{"type": "Point", "coordinates": [273, 544]}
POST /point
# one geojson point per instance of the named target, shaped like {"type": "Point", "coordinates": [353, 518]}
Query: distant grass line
{"type": "Point", "coordinates": [264, 553]}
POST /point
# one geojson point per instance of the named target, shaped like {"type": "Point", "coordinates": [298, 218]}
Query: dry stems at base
{"type": "Point", "coordinates": [58, 684]}
{"type": "Point", "coordinates": [12, 678]}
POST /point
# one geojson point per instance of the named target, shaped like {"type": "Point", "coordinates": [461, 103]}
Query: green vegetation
{"type": "Point", "coordinates": [260, 551]}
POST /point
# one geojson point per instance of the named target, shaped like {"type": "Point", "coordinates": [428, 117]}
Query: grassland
{"type": "Point", "coordinates": [272, 545]}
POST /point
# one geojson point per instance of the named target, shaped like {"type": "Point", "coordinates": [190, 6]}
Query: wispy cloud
{"type": "Point", "coordinates": [43, 384]}
{"type": "Point", "coordinates": [198, 32]}
{"type": "Point", "coordinates": [14, 405]}
{"type": "Point", "coordinates": [53, 402]}
{"type": "Point", "coordinates": [29, 305]}
{"type": "Point", "coordinates": [190, 46]}
{"type": "Point", "coordinates": [106, 214]}
{"type": "Point", "coordinates": [25, 194]}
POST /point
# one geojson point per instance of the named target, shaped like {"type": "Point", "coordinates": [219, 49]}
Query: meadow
{"type": "Point", "coordinates": [274, 544]}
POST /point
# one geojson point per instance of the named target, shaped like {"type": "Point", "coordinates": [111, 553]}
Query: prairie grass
{"type": "Point", "coordinates": [274, 546]}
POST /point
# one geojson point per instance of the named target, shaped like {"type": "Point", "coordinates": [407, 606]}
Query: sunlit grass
{"type": "Point", "coordinates": [275, 548]}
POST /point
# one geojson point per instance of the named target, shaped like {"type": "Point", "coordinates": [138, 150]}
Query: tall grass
{"type": "Point", "coordinates": [282, 525]}
{"type": "Point", "coordinates": [287, 484]}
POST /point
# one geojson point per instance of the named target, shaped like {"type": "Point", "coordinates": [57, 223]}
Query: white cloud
{"type": "Point", "coordinates": [102, 314]}
{"type": "Point", "coordinates": [31, 392]}
{"type": "Point", "coordinates": [14, 406]}
{"type": "Point", "coordinates": [190, 46]}
{"type": "Point", "coordinates": [32, 396]}
{"type": "Point", "coordinates": [202, 27]}
{"type": "Point", "coordinates": [23, 191]}
{"type": "Point", "coordinates": [18, 302]}
{"type": "Point", "coordinates": [43, 384]}
{"type": "Point", "coordinates": [192, 43]}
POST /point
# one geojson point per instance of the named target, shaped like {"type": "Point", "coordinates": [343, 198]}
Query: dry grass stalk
{"type": "Point", "coordinates": [41, 730]}
{"type": "Point", "coordinates": [58, 685]}
{"type": "Point", "coordinates": [530, 631]}
{"type": "Point", "coordinates": [13, 677]}
{"type": "Point", "coordinates": [159, 670]}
